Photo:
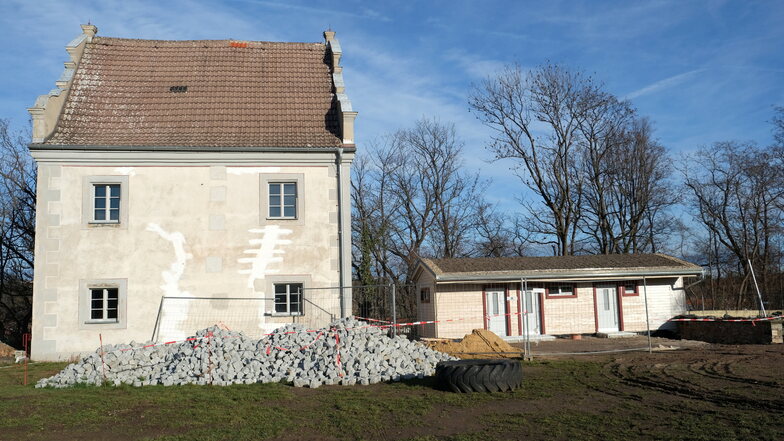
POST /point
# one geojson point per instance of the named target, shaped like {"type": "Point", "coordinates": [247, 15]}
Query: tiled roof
{"type": "Point", "coordinates": [251, 94]}
{"type": "Point", "coordinates": [557, 264]}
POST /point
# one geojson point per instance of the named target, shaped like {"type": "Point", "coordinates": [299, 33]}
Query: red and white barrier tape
{"type": "Point", "coordinates": [389, 325]}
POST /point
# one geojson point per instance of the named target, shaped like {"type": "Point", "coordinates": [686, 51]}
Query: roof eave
{"type": "Point", "coordinates": [175, 148]}
{"type": "Point", "coordinates": [511, 275]}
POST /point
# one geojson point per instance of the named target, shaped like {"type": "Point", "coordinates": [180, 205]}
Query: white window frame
{"type": "Point", "coordinates": [281, 194]}
{"type": "Point", "coordinates": [104, 290]}
{"type": "Point", "coordinates": [265, 179]}
{"type": "Point", "coordinates": [86, 286]}
{"type": "Point", "coordinates": [288, 311]}
{"type": "Point", "coordinates": [89, 184]}
{"type": "Point", "coordinates": [107, 204]}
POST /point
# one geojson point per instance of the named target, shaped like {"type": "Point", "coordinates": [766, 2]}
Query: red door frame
{"type": "Point", "coordinates": [596, 309]}
{"type": "Point", "coordinates": [507, 305]}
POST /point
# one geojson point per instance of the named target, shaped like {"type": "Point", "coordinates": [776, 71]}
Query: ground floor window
{"type": "Point", "coordinates": [103, 304]}
{"type": "Point", "coordinates": [288, 298]}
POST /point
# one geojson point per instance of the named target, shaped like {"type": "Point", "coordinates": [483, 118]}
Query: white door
{"type": "Point", "coordinates": [531, 316]}
{"type": "Point", "coordinates": [496, 310]}
{"type": "Point", "coordinates": [607, 308]}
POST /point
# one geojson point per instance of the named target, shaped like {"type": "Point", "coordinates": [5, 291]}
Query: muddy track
{"type": "Point", "coordinates": [701, 380]}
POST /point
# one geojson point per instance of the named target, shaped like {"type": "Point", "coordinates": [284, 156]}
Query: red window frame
{"type": "Point", "coordinates": [560, 296]}
{"type": "Point", "coordinates": [622, 288]}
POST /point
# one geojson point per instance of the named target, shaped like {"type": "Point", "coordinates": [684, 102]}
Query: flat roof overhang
{"type": "Point", "coordinates": [582, 276]}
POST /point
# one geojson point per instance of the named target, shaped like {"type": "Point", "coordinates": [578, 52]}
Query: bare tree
{"type": "Point", "coordinates": [536, 118]}
{"type": "Point", "coordinates": [412, 198]}
{"type": "Point", "coordinates": [17, 234]}
{"type": "Point", "coordinates": [737, 191]}
{"type": "Point", "coordinates": [628, 193]}
{"type": "Point", "coordinates": [778, 125]}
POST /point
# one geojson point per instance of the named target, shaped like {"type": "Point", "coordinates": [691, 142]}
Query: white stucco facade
{"type": "Point", "coordinates": [193, 225]}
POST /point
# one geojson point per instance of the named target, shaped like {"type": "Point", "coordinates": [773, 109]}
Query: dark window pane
{"type": "Point", "coordinates": [114, 191]}
{"type": "Point", "coordinates": [289, 212]}
{"type": "Point", "coordinates": [114, 203]}
{"type": "Point", "coordinates": [296, 287]}
{"type": "Point", "coordinates": [112, 304]}
{"type": "Point", "coordinates": [280, 307]}
{"type": "Point", "coordinates": [289, 201]}
{"type": "Point", "coordinates": [295, 308]}
{"type": "Point", "coordinates": [112, 292]}
{"type": "Point", "coordinates": [100, 214]}
{"type": "Point", "coordinates": [100, 203]}
{"type": "Point", "coordinates": [96, 293]}
{"type": "Point", "coordinates": [100, 191]}
{"type": "Point", "coordinates": [114, 214]}
{"type": "Point", "coordinates": [274, 211]}
{"type": "Point", "coordinates": [290, 189]}
{"type": "Point", "coordinates": [280, 289]}
{"type": "Point", "coordinates": [96, 314]}
{"type": "Point", "coordinates": [274, 189]}
{"type": "Point", "coordinates": [274, 200]}
{"type": "Point", "coordinates": [96, 304]}
{"type": "Point", "coordinates": [111, 314]}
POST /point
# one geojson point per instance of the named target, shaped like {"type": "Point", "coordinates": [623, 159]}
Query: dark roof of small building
{"type": "Point", "coordinates": [214, 93]}
{"type": "Point", "coordinates": [555, 265]}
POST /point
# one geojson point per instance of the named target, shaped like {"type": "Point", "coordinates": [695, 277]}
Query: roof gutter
{"type": "Point", "coordinates": [517, 276]}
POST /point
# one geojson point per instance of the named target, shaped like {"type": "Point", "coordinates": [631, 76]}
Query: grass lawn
{"type": "Point", "coordinates": [559, 400]}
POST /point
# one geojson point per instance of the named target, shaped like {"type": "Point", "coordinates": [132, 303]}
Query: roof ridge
{"type": "Point", "coordinates": [98, 38]}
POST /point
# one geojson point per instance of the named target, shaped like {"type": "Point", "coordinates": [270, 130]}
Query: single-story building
{"type": "Point", "coordinates": [562, 295]}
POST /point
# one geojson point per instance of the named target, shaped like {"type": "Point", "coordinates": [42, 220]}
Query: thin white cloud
{"type": "Point", "coordinates": [663, 84]}
{"type": "Point", "coordinates": [365, 14]}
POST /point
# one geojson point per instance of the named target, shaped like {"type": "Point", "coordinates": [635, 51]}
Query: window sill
{"type": "Point", "coordinates": [635, 294]}
{"type": "Point", "coordinates": [286, 314]}
{"type": "Point", "coordinates": [102, 322]}
{"type": "Point", "coordinates": [282, 218]}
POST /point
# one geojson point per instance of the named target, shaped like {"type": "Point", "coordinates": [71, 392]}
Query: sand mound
{"type": "Point", "coordinates": [6, 351]}
{"type": "Point", "coordinates": [480, 343]}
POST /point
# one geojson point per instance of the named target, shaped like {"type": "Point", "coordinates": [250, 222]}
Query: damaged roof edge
{"type": "Point", "coordinates": [177, 148]}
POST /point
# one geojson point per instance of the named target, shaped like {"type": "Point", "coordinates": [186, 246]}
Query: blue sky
{"type": "Point", "coordinates": [703, 71]}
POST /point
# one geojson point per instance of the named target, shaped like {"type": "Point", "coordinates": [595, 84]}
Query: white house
{"type": "Point", "coordinates": [538, 296]}
{"type": "Point", "coordinates": [211, 173]}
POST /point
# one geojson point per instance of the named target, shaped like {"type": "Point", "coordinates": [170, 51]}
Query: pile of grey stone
{"type": "Point", "coordinates": [348, 352]}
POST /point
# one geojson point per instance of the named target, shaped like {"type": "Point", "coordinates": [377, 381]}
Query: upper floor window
{"type": "Point", "coordinates": [106, 203]}
{"type": "Point", "coordinates": [283, 200]}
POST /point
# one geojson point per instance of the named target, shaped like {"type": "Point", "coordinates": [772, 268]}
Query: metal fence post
{"type": "Point", "coordinates": [394, 311]}
{"type": "Point", "coordinates": [647, 319]}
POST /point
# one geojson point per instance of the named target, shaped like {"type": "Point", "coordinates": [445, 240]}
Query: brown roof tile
{"type": "Point", "coordinates": [263, 95]}
{"type": "Point", "coordinates": [556, 264]}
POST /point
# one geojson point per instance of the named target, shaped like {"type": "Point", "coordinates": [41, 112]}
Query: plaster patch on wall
{"type": "Point", "coordinates": [171, 278]}
{"type": "Point", "coordinates": [251, 170]}
{"type": "Point", "coordinates": [125, 171]}
{"type": "Point", "coordinates": [265, 251]}
{"type": "Point", "coordinates": [174, 314]}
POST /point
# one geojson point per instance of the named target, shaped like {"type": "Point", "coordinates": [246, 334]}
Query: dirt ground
{"type": "Point", "coordinates": [588, 344]}
{"type": "Point", "coordinates": [698, 391]}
